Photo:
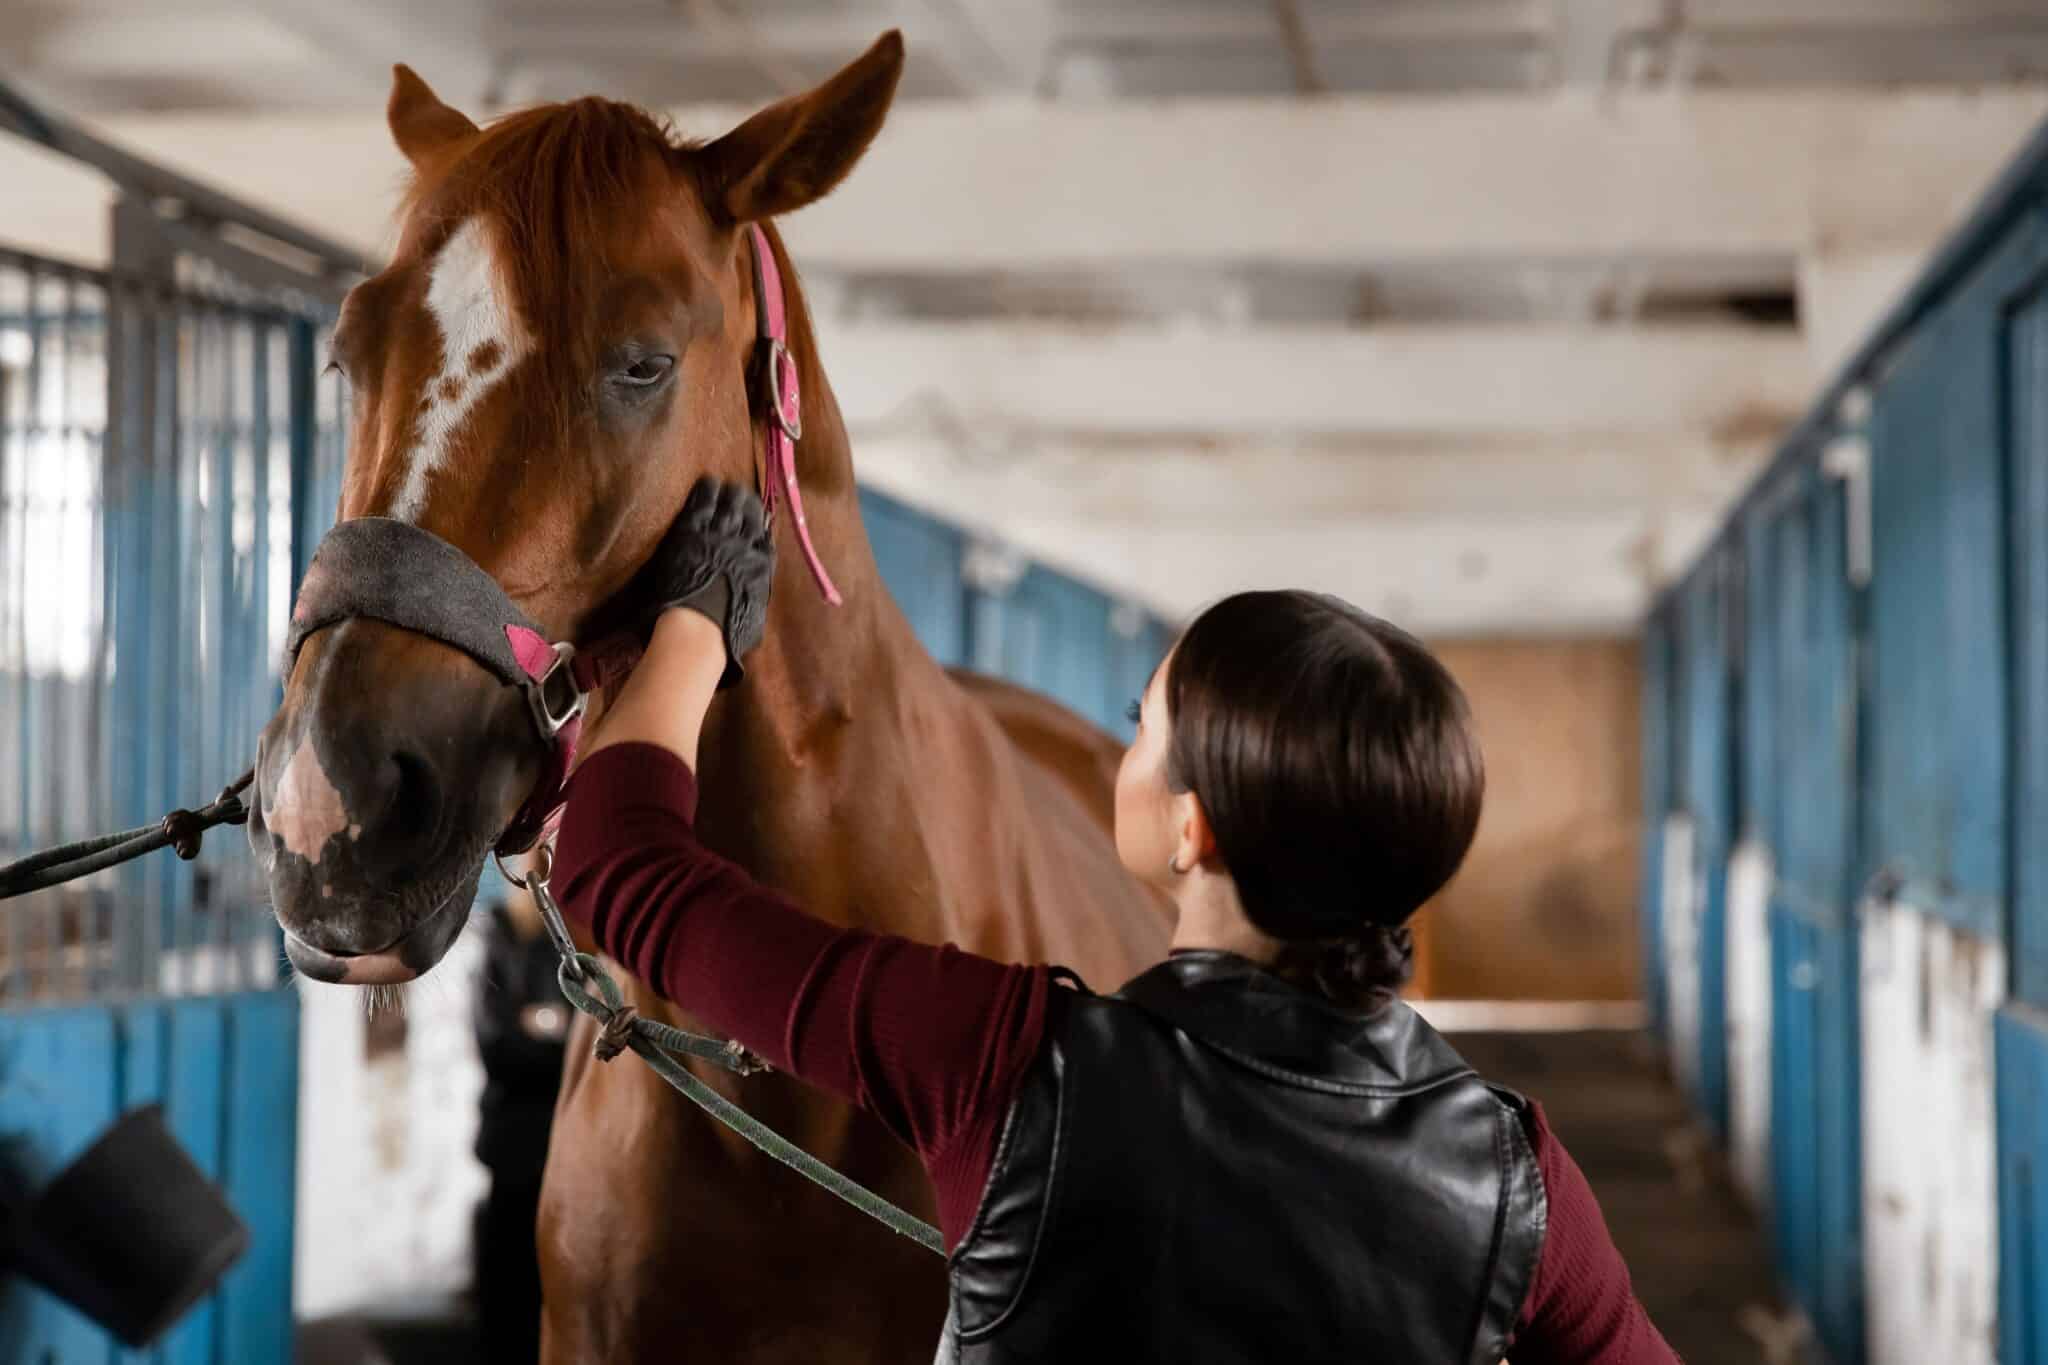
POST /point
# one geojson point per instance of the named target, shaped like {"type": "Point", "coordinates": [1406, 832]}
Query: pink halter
{"type": "Point", "coordinates": [785, 406]}
{"type": "Point", "coordinates": [561, 677]}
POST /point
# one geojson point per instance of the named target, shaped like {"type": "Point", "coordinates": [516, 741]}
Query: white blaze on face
{"type": "Point", "coordinates": [481, 340]}
{"type": "Point", "coordinates": [307, 810]}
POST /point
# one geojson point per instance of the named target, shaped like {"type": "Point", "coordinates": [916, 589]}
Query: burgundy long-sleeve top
{"type": "Point", "coordinates": [934, 1042]}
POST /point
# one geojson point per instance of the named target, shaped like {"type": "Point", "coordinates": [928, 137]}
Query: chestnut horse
{"type": "Point", "coordinates": [558, 349]}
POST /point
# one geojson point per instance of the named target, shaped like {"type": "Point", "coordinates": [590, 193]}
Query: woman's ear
{"type": "Point", "coordinates": [1194, 842]}
{"type": "Point", "coordinates": [793, 153]}
{"type": "Point", "coordinates": [421, 125]}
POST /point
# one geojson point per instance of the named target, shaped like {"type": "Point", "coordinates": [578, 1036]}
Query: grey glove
{"type": "Point", "coordinates": [718, 559]}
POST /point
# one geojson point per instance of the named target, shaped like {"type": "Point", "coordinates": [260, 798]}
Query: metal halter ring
{"type": "Point", "coordinates": [554, 697]}
{"type": "Point", "coordinates": [541, 863]}
{"type": "Point", "coordinates": [777, 357]}
{"type": "Point", "coordinates": [535, 881]}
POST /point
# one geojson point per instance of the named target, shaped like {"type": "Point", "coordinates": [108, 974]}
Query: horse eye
{"type": "Point", "coordinates": [648, 370]}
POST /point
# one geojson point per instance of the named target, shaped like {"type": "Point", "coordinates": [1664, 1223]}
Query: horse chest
{"type": "Point", "coordinates": [661, 1242]}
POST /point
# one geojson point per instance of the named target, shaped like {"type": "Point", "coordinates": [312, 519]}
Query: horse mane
{"type": "Point", "coordinates": [555, 181]}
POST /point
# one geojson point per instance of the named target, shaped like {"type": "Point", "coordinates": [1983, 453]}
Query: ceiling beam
{"type": "Point", "coordinates": [1927, 16]}
{"type": "Point", "coordinates": [1399, 22]}
{"type": "Point", "coordinates": [448, 42]}
{"type": "Point", "coordinates": [1442, 576]}
{"type": "Point", "coordinates": [1528, 536]}
{"type": "Point", "coordinates": [1089, 479]}
{"type": "Point", "coordinates": [1301, 47]}
{"type": "Point", "coordinates": [1361, 179]}
{"type": "Point", "coordinates": [1504, 380]}
{"type": "Point", "coordinates": [1352, 181]}
{"type": "Point", "coordinates": [838, 34]}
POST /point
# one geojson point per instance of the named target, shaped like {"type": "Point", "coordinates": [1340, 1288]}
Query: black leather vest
{"type": "Point", "coordinates": [1214, 1166]}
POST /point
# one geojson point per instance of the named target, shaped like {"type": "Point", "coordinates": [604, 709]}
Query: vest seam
{"type": "Point", "coordinates": [998, 1168]}
{"type": "Point", "coordinates": [1001, 1164]}
{"type": "Point", "coordinates": [1047, 1207]}
{"type": "Point", "coordinates": [1297, 1079]}
{"type": "Point", "coordinates": [1497, 1247]}
{"type": "Point", "coordinates": [1539, 1216]}
{"type": "Point", "coordinates": [1316, 1083]}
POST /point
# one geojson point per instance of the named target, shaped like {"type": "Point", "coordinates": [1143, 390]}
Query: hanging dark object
{"type": "Point", "coordinates": [131, 1233]}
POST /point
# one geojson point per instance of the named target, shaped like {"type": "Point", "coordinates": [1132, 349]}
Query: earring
{"type": "Point", "coordinates": [1173, 866]}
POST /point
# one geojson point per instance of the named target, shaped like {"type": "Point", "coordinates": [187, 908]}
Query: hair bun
{"type": "Point", "coordinates": [1361, 970]}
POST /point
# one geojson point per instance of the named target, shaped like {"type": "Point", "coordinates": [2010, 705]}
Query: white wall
{"type": "Point", "coordinates": [1930, 1209]}
{"type": "Point", "coordinates": [387, 1179]}
{"type": "Point", "coordinates": [1684, 891]}
{"type": "Point", "coordinates": [1749, 1017]}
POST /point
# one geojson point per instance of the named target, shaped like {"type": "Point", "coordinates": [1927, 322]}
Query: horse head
{"type": "Point", "coordinates": [560, 346]}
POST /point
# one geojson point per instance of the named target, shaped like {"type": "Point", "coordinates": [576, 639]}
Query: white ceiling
{"type": "Point", "coordinates": [1474, 310]}
{"type": "Point", "coordinates": [109, 55]}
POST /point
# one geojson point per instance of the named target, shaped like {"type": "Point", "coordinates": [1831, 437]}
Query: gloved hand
{"type": "Point", "coordinates": [718, 559]}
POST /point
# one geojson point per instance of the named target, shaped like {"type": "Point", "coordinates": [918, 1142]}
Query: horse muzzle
{"type": "Point", "coordinates": [405, 959]}
{"type": "Point", "coordinates": [381, 785]}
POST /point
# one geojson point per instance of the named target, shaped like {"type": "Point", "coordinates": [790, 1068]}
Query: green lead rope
{"type": "Point", "coordinates": [621, 1029]}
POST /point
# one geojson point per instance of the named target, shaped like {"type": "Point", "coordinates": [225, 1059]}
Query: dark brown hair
{"type": "Point", "coordinates": [1335, 760]}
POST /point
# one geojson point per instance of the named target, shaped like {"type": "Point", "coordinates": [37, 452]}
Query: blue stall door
{"type": "Point", "coordinates": [2022, 1042]}
{"type": "Point", "coordinates": [920, 561]}
{"type": "Point", "coordinates": [225, 1068]}
{"type": "Point", "coordinates": [1938, 613]}
{"type": "Point", "coordinates": [1049, 633]}
{"type": "Point", "coordinates": [1708, 793]}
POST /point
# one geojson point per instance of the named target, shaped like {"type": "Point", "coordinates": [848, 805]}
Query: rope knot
{"type": "Point", "coordinates": [615, 1035]}
{"type": "Point", "coordinates": [185, 831]}
{"type": "Point", "coordinates": [741, 1062]}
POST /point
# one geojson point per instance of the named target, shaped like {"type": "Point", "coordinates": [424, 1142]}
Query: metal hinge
{"type": "Point", "coordinates": [1847, 458]}
{"type": "Point", "coordinates": [992, 567]}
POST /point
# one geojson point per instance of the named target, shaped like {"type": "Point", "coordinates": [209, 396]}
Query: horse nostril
{"type": "Point", "coordinates": [415, 810]}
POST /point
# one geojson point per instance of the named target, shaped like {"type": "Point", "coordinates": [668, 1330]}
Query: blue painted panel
{"type": "Point", "coordinates": [2022, 1062]}
{"type": "Point", "coordinates": [2027, 619]}
{"type": "Point", "coordinates": [195, 1111]}
{"type": "Point", "coordinates": [1048, 633]}
{"type": "Point", "coordinates": [1795, 1154]}
{"type": "Point", "coordinates": [1709, 797]}
{"type": "Point", "coordinates": [226, 1070]}
{"type": "Point", "coordinates": [1800, 795]}
{"type": "Point", "coordinates": [1939, 741]}
{"type": "Point", "coordinates": [1818, 815]}
{"type": "Point", "coordinates": [1816, 1138]}
{"type": "Point", "coordinates": [1133, 655]}
{"type": "Point", "coordinates": [1659, 708]}
{"type": "Point", "coordinates": [57, 1093]}
{"type": "Point", "coordinates": [1761, 677]}
{"type": "Point", "coordinates": [184, 680]}
{"type": "Point", "coordinates": [920, 559]}
{"type": "Point", "coordinates": [1837, 1309]}
{"type": "Point", "coordinates": [261, 1162]}
{"type": "Point", "coordinates": [145, 1034]}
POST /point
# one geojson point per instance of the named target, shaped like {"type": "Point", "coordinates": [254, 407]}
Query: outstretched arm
{"type": "Point", "coordinates": [932, 1041]}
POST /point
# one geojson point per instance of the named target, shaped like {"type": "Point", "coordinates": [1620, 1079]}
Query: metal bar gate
{"type": "Point", "coordinates": [168, 455]}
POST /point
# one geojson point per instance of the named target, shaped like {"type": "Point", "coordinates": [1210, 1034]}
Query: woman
{"type": "Point", "coordinates": [1253, 1151]}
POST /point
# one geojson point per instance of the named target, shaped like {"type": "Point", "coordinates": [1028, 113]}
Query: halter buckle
{"type": "Point", "coordinates": [554, 697]}
{"type": "Point", "coordinates": [777, 355]}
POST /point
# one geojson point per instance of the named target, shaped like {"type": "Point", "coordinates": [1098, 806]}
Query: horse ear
{"type": "Point", "coordinates": [796, 151]}
{"type": "Point", "coordinates": [420, 124]}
